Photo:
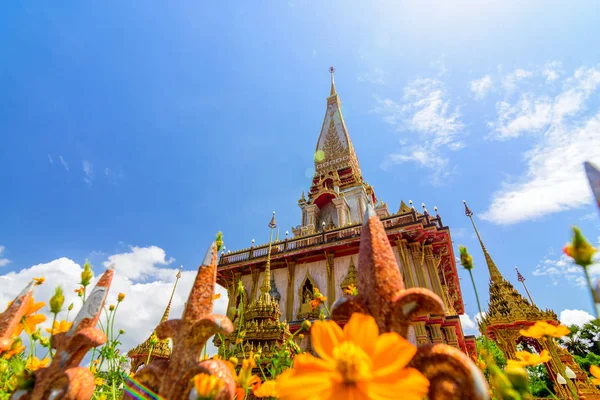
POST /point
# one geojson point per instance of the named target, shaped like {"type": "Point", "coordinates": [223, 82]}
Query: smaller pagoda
{"type": "Point", "coordinates": [153, 348]}
{"type": "Point", "coordinates": [264, 330]}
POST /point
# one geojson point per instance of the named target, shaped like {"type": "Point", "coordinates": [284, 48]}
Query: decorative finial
{"type": "Point", "coordinates": [468, 211]}
{"type": "Point", "coordinates": [273, 224]}
{"type": "Point", "coordinates": [252, 242]}
{"type": "Point", "coordinates": [411, 204]}
{"type": "Point", "coordinates": [332, 72]}
{"type": "Point", "coordinates": [286, 234]}
{"type": "Point", "coordinates": [435, 208]}
{"type": "Point", "coordinates": [520, 277]}
{"type": "Point", "coordinates": [179, 272]}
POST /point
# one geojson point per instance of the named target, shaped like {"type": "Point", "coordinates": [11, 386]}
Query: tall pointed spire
{"type": "Point", "coordinates": [266, 283]}
{"type": "Point", "coordinates": [332, 72]}
{"type": "Point", "coordinates": [521, 279]}
{"type": "Point", "coordinates": [495, 274]}
{"type": "Point", "coordinates": [168, 309]}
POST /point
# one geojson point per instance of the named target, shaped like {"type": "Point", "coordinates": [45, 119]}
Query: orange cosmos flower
{"type": "Point", "coordinates": [356, 363]}
{"type": "Point", "coordinates": [526, 358]}
{"type": "Point", "coordinates": [351, 290]}
{"type": "Point", "coordinates": [217, 296]}
{"type": "Point", "coordinates": [266, 389]}
{"type": "Point", "coordinates": [543, 329]}
{"type": "Point", "coordinates": [120, 297]}
{"type": "Point", "coordinates": [39, 281]}
{"type": "Point", "coordinates": [34, 363]}
{"type": "Point", "coordinates": [30, 320]}
{"type": "Point", "coordinates": [244, 380]}
{"type": "Point", "coordinates": [595, 371]}
{"type": "Point", "coordinates": [59, 327]}
{"type": "Point", "coordinates": [79, 291]}
{"type": "Point", "coordinates": [15, 348]}
{"type": "Point", "coordinates": [207, 386]}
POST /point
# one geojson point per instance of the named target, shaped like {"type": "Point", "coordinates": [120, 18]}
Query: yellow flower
{"type": "Point", "coordinates": [59, 327]}
{"type": "Point", "coordinates": [526, 359]}
{"type": "Point", "coordinates": [244, 380]}
{"type": "Point", "coordinates": [543, 329]}
{"type": "Point", "coordinates": [234, 360]}
{"type": "Point", "coordinates": [267, 389]}
{"type": "Point", "coordinates": [356, 363]}
{"type": "Point", "coordinates": [39, 281]}
{"type": "Point", "coordinates": [595, 371]}
{"type": "Point", "coordinates": [580, 249]}
{"type": "Point", "coordinates": [216, 296]}
{"type": "Point", "coordinates": [79, 291]}
{"type": "Point", "coordinates": [207, 386]}
{"type": "Point", "coordinates": [99, 381]}
{"type": "Point", "coordinates": [120, 297]}
{"type": "Point", "coordinates": [30, 320]}
{"type": "Point", "coordinates": [34, 363]}
{"type": "Point", "coordinates": [15, 348]}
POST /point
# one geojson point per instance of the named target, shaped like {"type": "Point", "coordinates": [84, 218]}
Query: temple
{"type": "Point", "coordinates": [509, 312]}
{"type": "Point", "coordinates": [323, 252]}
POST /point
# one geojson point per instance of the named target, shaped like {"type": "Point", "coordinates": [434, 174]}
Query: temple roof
{"type": "Point", "coordinates": [334, 151]}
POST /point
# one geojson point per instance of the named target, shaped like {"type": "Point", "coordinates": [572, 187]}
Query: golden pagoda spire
{"type": "Point", "coordinates": [266, 283]}
{"type": "Point", "coordinates": [332, 72]}
{"type": "Point", "coordinates": [495, 274]}
{"type": "Point", "coordinates": [168, 309]}
{"type": "Point", "coordinates": [152, 348]}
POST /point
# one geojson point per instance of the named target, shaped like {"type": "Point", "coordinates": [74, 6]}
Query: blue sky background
{"type": "Point", "coordinates": [139, 129]}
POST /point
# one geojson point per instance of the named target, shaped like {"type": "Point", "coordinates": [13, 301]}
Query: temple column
{"type": "Point", "coordinates": [436, 333]}
{"type": "Point", "coordinates": [289, 296]}
{"type": "Point", "coordinates": [434, 277]}
{"type": "Point", "coordinates": [451, 338]}
{"type": "Point", "coordinates": [329, 260]}
{"type": "Point", "coordinates": [361, 209]}
{"type": "Point", "coordinates": [421, 332]}
{"type": "Point", "coordinates": [255, 274]}
{"type": "Point", "coordinates": [340, 207]}
{"type": "Point", "coordinates": [405, 268]}
{"type": "Point", "coordinates": [311, 213]}
{"type": "Point", "coordinates": [416, 255]}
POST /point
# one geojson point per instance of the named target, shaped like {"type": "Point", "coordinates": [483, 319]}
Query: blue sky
{"type": "Point", "coordinates": [135, 131]}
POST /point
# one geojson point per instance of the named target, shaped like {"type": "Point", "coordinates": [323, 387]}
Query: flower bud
{"type": "Point", "coordinates": [120, 297]}
{"type": "Point", "coordinates": [597, 292]}
{"type": "Point", "coordinates": [234, 360]}
{"type": "Point", "coordinates": [121, 331]}
{"type": "Point", "coordinates": [306, 325]}
{"type": "Point", "coordinates": [57, 301]}
{"type": "Point", "coordinates": [257, 357]}
{"type": "Point", "coordinates": [111, 307]}
{"type": "Point", "coordinates": [465, 258]}
{"type": "Point", "coordinates": [70, 307]}
{"type": "Point", "coordinates": [518, 378]}
{"type": "Point", "coordinates": [45, 342]}
{"type": "Point", "coordinates": [580, 249]}
{"type": "Point", "coordinates": [301, 336]}
{"type": "Point", "coordinates": [87, 274]}
{"type": "Point", "coordinates": [3, 367]}
{"type": "Point", "coordinates": [37, 335]}
{"type": "Point", "coordinates": [219, 241]}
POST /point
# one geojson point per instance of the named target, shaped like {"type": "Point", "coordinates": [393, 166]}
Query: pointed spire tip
{"type": "Point", "coordinates": [209, 253]}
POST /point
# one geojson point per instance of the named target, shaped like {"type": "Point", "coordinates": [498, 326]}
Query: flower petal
{"type": "Point", "coordinates": [293, 385]}
{"type": "Point", "coordinates": [410, 383]}
{"type": "Point", "coordinates": [325, 335]}
{"type": "Point", "coordinates": [595, 371]}
{"type": "Point", "coordinates": [362, 330]}
{"type": "Point", "coordinates": [392, 353]}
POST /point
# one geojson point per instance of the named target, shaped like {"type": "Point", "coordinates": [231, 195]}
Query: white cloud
{"type": "Point", "coordinates": [552, 71]}
{"type": "Point", "coordinates": [562, 269]}
{"type": "Point", "coordinates": [512, 80]}
{"type": "Point", "coordinates": [589, 216]}
{"type": "Point", "coordinates": [575, 317]}
{"type": "Point", "coordinates": [88, 169]}
{"type": "Point", "coordinates": [376, 76]}
{"type": "Point", "coordinates": [564, 139]}
{"type": "Point", "coordinates": [479, 316]}
{"type": "Point", "coordinates": [469, 326]}
{"type": "Point", "coordinates": [3, 260]}
{"type": "Point", "coordinates": [63, 163]}
{"type": "Point", "coordinates": [50, 160]}
{"type": "Point", "coordinates": [480, 87]}
{"type": "Point", "coordinates": [145, 300]}
{"type": "Point", "coordinates": [426, 110]}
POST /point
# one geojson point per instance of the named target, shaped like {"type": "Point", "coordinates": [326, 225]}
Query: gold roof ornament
{"type": "Point", "coordinates": [351, 277]}
{"type": "Point", "coordinates": [403, 208]}
{"type": "Point", "coordinates": [153, 347]}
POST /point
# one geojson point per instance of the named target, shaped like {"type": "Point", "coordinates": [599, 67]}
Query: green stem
{"type": "Point", "coordinates": [562, 369]}
{"type": "Point", "coordinates": [52, 334]}
{"type": "Point", "coordinates": [591, 287]}
{"type": "Point", "coordinates": [485, 336]}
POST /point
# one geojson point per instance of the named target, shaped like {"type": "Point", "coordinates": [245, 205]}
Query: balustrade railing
{"type": "Point", "coordinates": [328, 236]}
